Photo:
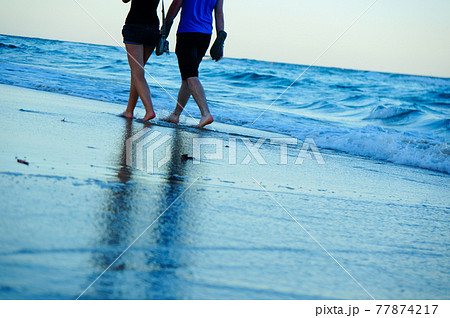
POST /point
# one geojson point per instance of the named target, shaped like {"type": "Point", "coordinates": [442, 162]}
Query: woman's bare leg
{"type": "Point", "coordinates": [133, 97]}
{"type": "Point", "coordinates": [132, 101]}
{"type": "Point", "coordinates": [138, 55]}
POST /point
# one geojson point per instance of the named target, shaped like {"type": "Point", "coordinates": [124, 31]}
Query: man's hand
{"type": "Point", "coordinates": [165, 29]}
{"type": "Point", "coordinates": [162, 47]}
{"type": "Point", "coordinates": [216, 51]}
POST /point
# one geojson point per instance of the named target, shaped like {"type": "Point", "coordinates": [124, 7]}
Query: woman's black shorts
{"type": "Point", "coordinates": [190, 50]}
{"type": "Point", "coordinates": [141, 34]}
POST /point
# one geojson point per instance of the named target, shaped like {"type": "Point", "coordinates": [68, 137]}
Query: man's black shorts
{"type": "Point", "coordinates": [141, 34]}
{"type": "Point", "coordinates": [190, 50]}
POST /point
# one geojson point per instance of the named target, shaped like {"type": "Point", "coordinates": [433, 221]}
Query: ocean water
{"type": "Point", "coordinates": [77, 206]}
{"type": "Point", "coordinates": [401, 119]}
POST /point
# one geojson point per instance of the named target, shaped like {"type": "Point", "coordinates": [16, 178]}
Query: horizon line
{"type": "Point", "coordinates": [246, 58]}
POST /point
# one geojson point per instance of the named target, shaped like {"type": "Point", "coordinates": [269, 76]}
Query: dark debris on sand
{"type": "Point", "coordinates": [23, 162]}
{"type": "Point", "coordinates": [185, 157]}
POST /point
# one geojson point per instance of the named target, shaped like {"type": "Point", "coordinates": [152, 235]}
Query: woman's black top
{"type": "Point", "coordinates": [143, 12]}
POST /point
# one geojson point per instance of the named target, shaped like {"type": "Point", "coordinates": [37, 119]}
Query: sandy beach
{"type": "Point", "coordinates": [215, 230]}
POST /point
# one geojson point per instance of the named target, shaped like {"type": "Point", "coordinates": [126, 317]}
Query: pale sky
{"type": "Point", "coordinates": [400, 36]}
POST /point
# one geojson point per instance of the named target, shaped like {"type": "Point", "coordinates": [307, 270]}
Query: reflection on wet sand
{"type": "Point", "coordinates": [114, 226]}
{"type": "Point", "coordinates": [159, 248]}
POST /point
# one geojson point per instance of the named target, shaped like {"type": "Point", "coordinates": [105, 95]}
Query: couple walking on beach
{"type": "Point", "coordinates": [141, 34]}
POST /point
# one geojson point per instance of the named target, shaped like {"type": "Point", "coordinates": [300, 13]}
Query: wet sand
{"type": "Point", "coordinates": [220, 230]}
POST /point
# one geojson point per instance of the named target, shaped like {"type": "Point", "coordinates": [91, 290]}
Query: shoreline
{"type": "Point", "coordinates": [264, 132]}
{"type": "Point", "coordinates": [220, 230]}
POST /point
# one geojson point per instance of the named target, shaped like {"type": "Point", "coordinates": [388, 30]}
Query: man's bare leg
{"type": "Point", "coordinates": [137, 57]}
{"type": "Point", "coordinates": [197, 91]}
{"type": "Point", "coordinates": [183, 96]}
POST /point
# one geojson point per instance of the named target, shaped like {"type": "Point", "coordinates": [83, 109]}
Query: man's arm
{"type": "Point", "coordinates": [218, 14]}
{"type": "Point", "coordinates": [171, 14]}
{"type": "Point", "coordinates": [173, 10]}
{"type": "Point", "coordinates": [216, 51]}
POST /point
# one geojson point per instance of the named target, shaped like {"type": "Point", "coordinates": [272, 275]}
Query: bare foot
{"type": "Point", "coordinates": [205, 120]}
{"type": "Point", "coordinates": [127, 115]}
{"type": "Point", "coordinates": [172, 119]}
{"type": "Point", "coordinates": [149, 115]}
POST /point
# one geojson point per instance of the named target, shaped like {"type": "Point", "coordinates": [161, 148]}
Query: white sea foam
{"type": "Point", "coordinates": [392, 117]}
{"type": "Point", "coordinates": [412, 149]}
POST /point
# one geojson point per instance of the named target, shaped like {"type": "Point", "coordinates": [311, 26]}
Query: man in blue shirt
{"type": "Point", "coordinates": [193, 38]}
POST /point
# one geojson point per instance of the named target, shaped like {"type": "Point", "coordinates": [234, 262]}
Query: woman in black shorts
{"type": "Point", "coordinates": [140, 35]}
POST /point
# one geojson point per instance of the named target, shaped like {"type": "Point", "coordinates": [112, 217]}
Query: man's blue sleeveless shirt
{"type": "Point", "coordinates": [196, 16]}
